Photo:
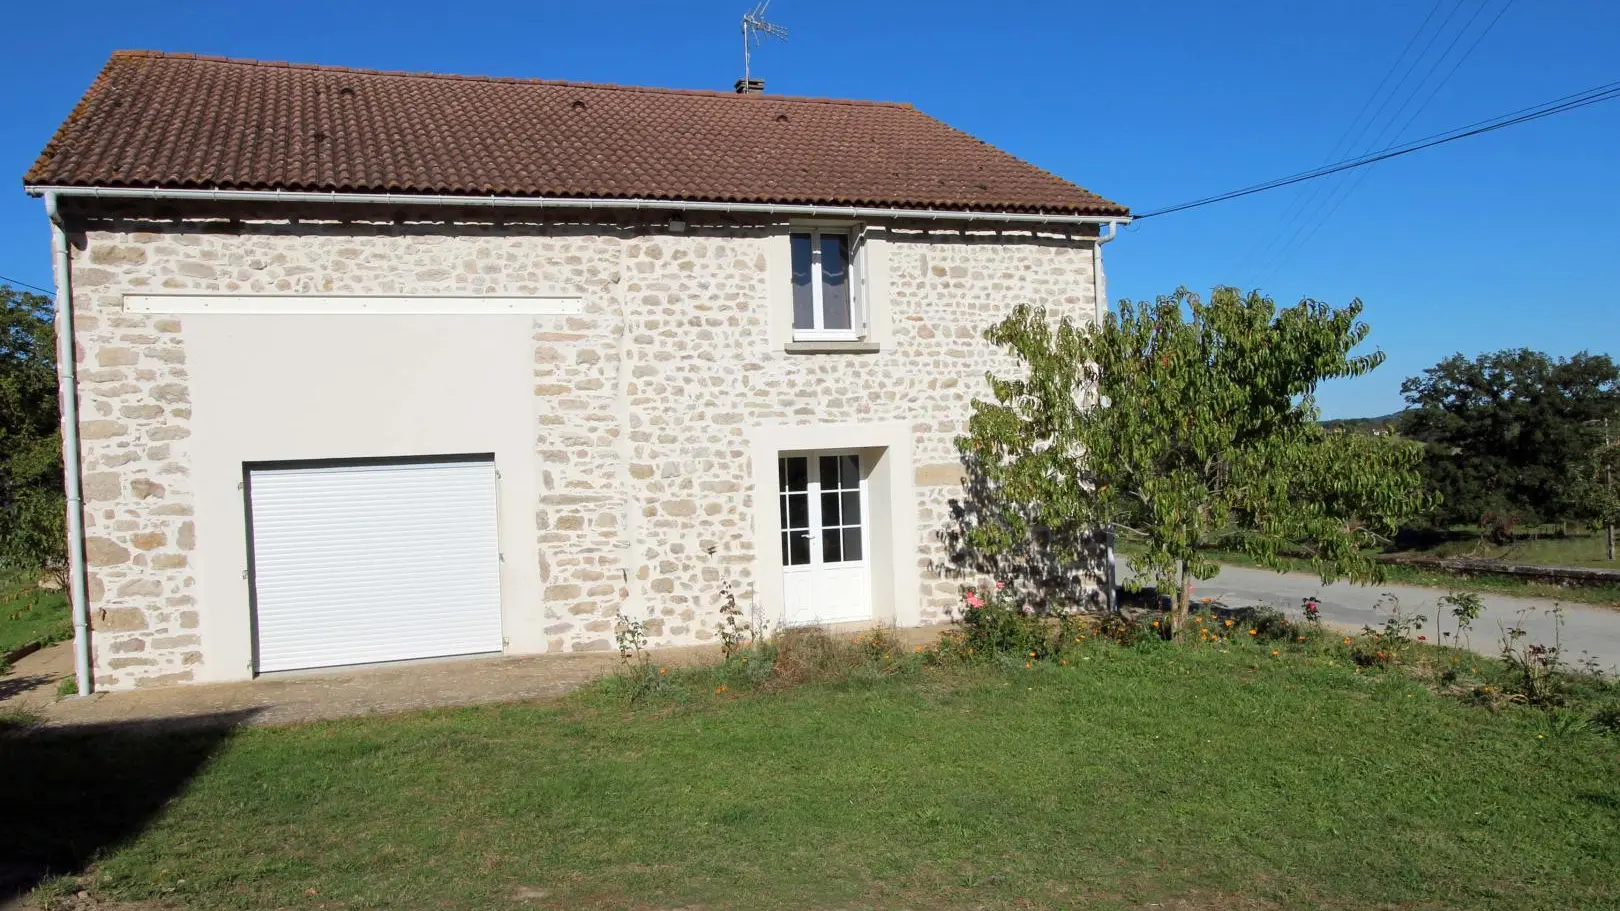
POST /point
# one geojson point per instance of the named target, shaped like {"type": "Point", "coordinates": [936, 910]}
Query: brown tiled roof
{"type": "Point", "coordinates": [184, 122]}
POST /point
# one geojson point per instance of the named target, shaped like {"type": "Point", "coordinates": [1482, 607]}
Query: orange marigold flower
{"type": "Point", "coordinates": [1254, 632]}
{"type": "Point", "coordinates": [1155, 624]}
{"type": "Point", "coordinates": [1027, 665]}
{"type": "Point", "coordinates": [1275, 653]}
{"type": "Point", "coordinates": [1228, 623]}
{"type": "Point", "coordinates": [1346, 640]}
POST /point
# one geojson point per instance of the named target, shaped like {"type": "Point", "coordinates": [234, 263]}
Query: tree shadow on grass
{"type": "Point", "coordinates": [70, 794]}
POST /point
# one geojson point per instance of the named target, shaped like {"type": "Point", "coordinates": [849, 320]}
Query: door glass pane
{"type": "Point", "coordinates": [798, 548]}
{"type": "Point", "coordinates": [794, 473]}
{"type": "Point", "coordinates": [834, 281]}
{"type": "Point", "coordinates": [849, 471]}
{"type": "Point", "coordinates": [851, 513]}
{"type": "Point", "coordinates": [785, 560]}
{"type": "Point", "coordinates": [831, 550]}
{"type": "Point", "coordinates": [804, 302]}
{"type": "Point", "coordinates": [829, 472]}
{"type": "Point", "coordinates": [829, 508]}
{"type": "Point", "coordinates": [852, 544]}
{"type": "Point", "coordinates": [798, 510]}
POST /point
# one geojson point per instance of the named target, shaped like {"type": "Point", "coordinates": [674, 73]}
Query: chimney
{"type": "Point", "coordinates": [750, 86]}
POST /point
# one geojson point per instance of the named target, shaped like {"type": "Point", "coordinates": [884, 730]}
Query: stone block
{"type": "Point", "coordinates": [119, 619]}
{"type": "Point", "coordinates": [101, 430]}
{"type": "Point", "coordinates": [149, 540]}
{"type": "Point", "coordinates": [104, 551]}
{"type": "Point", "coordinates": [102, 486]}
{"type": "Point", "coordinates": [116, 357]}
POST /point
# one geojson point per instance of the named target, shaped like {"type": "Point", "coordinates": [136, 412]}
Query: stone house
{"type": "Point", "coordinates": [378, 366]}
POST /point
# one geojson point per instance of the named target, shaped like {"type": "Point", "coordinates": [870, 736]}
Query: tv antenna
{"type": "Point", "coordinates": [754, 26]}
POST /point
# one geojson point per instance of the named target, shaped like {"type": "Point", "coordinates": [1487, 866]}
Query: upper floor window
{"type": "Point", "coordinates": [826, 299]}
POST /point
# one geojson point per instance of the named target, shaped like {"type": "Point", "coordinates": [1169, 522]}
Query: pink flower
{"type": "Point", "coordinates": [1000, 585]}
{"type": "Point", "coordinates": [973, 600]}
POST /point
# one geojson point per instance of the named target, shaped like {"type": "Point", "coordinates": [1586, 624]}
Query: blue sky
{"type": "Point", "coordinates": [1502, 240]}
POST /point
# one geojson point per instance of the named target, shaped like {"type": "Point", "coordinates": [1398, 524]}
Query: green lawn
{"type": "Point", "coordinates": [1544, 548]}
{"type": "Point", "coordinates": [1571, 551]}
{"type": "Point", "coordinates": [30, 614]}
{"type": "Point", "coordinates": [1218, 777]}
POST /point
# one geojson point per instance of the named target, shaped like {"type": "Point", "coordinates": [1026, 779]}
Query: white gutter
{"type": "Point", "coordinates": [1100, 294]}
{"type": "Point", "coordinates": [68, 386]}
{"type": "Point", "coordinates": [546, 202]}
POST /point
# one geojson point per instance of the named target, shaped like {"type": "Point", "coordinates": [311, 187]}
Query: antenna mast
{"type": "Point", "coordinates": [754, 25]}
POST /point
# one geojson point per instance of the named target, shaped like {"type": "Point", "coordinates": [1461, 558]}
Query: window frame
{"type": "Point", "coordinates": [854, 280]}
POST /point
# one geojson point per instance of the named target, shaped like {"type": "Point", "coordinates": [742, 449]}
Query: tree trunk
{"type": "Point", "coordinates": [1178, 605]}
{"type": "Point", "coordinates": [1610, 531]}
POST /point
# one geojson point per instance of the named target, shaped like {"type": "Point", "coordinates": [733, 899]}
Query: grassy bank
{"type": "Point", "coordinates": [1606, 595]}
{"type": "Point", "coordinates": [1603, 595]}
{"type": "Point", "coordinates": [1221, 776]}
{"type": "Point", "coordinates": [30, 614]}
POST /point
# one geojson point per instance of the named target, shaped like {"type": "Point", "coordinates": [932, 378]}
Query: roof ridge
{"type": "Point", "coordinates": [507, 80]}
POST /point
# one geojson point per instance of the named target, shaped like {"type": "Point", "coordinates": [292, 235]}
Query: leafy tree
{"type": "Point", "coordinates": [1187, 425]}
{"type": "Point", "coordinates": [1605, 490]}
{"type": "Point", "coordinates": [32, 508]}
{"type": "Point", "coordinates": [1509, 435]}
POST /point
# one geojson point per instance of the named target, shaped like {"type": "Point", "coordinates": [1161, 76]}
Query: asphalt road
{"type": "Point", "coordinates": [1590, 630]}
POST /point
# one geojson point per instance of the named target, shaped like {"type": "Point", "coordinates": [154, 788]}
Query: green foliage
{"type": "Point", "coordinates": [32, 509]}
{"type": "Point", "coordinates": [1510, 436]}
{"type": "Point", "coordinates": [1186, 425]}
{"type": "Point", "coordinates": [993, 625]}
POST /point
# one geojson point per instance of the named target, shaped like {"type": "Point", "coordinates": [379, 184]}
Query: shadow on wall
{"type": "Point", "coordinates": [69, 794]}
{"type": "Point", "coordinates": [1044, 574]}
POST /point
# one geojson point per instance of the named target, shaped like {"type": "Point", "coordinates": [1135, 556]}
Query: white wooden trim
{"type": "Point", "coordinates": [818, 331]}
{"type": "Point", "coordinates": [305, 304]}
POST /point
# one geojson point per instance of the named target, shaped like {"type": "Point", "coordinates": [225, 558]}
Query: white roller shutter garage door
{"type": "Point", "coordinates": [355, 564]}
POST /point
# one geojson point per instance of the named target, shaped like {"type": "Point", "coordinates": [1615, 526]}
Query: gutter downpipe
{"type": "Point", "coordinates": [1100, 293]}
{"type": "Point", "coordinates": [72, 477]}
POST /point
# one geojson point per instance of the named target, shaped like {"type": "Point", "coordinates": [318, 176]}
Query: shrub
{"type": "Point", "coordinates": [995, 625]}
{"type": "Point", "coordinates": [1387, 643]}
{"type": "Point", "coordinates": [1129, 631]}
{"type": "Point", "coordinates": [1535, 671]}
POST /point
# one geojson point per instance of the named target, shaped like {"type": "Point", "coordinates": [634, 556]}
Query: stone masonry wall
{"type": "Point", "coordinates": [644, 400]}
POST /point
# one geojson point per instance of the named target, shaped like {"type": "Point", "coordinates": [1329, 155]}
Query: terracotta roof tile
{"type": "Point", "coordinates": [185, 122]}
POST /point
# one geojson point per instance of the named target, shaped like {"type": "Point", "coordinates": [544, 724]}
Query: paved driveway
{"type": "Point", "coordinates": [1592, 630]}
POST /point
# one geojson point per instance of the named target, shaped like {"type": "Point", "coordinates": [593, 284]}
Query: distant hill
{"type": "Point", "coordinates": [1384, 423]}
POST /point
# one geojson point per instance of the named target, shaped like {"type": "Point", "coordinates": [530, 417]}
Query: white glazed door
{"type": "Point", "coordinates": [822, 503]}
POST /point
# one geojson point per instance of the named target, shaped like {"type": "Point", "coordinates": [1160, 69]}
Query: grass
{"type": "Point", "coordinates": [1603, 595]}
{"type": "Point", "coordinates": [1546, 547]}
{"type": "Point", "coordinates": [1217, 776]}
{"type": "Point", "coordinates": [30, 614]}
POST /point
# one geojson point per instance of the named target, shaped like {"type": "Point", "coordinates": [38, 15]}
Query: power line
{"type": "Point", "coordinates": [1308, 231]}
{"type": "Point", "coordinates": [13, 281]}
{"type": "Point", "coordinates": [1536, 112]}
{"type": "Point", "coordinates": [1305, 196]}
